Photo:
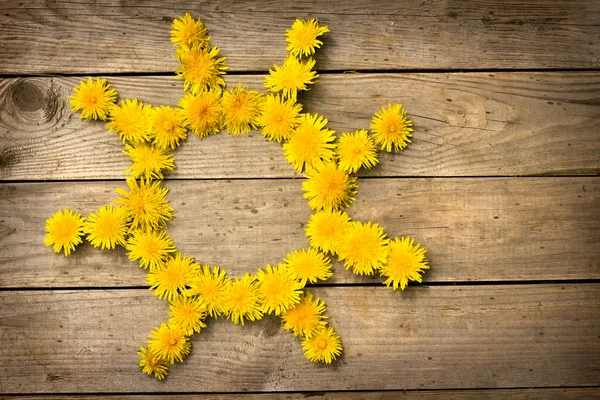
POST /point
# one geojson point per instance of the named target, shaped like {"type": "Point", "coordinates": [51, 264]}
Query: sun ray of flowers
{"type": "Point", "coordinates": [64, 231]}
{"type": "Point", "coordinates": [132, 120]}
{"type": "Point", "coordinates": [279, 117]}
{"type": "Point", "coordinates": [150, 363]}
{"type": "Point", "coordinates": [202, 113]}
{"type": "Point", "coordinates": [323, 346]}
{"type": "Point", "coordinates": [200, 68]}
{"type": "Point", "coordinates": [329, 188]}
{"type": "Point", "coordinates": [93, 98]}
{"type": "Point", "coordinates": [241, 109]}
{"type": "Point", "coordinates": [326, 229]}
{"type": "Point", "coordinates": [278, 289]}
{"type": "Point", "coordinates": [406, 261]}
{"type": "Point", "coordinates": [391, 128]}
{"type": "Point", "coordinates": [302, 37]}
{"type": "Point", "coordinates": [167, 127]}
{"type": "Point", "coordinates": [242, 300]}
{"type": "Point", "coordinates": [309, 265]}
{"type": "Point", "coordinates": [169, 342]}
{"type": "Point", "coordinates": [310, 143]}
{"type": "Point", "coordinates": [108, 227]}
{"type": "Point", "coordinates": [147, 203]}
{"type": "Point", "coordinates": [364, 248]}
{"type": "Point", "coordinates": [293, 76]}
{"type": "Point", "coordinates": [188, 313]}
{"type": "Point", "coordinates": [211, 286]}
{"type": "Point", "coordinates": [151, 248]}
{"type": "Point", "coordinates": [306, 318]}
{"type": "Point", "coordinates": [172, 278]}
{"type": "Point", "coordinates": [356, 150]}
{"type": "Point", "coordinates": [189, 32]}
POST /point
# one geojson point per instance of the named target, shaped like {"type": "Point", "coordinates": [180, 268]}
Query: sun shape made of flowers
{"type": "Point", "coordinates": [139, 215]}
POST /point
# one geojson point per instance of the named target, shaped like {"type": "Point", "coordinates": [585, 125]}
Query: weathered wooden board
{"type": "Point", "coordinates": [110, 36]}
{"type": "Point", "coordinates": [465, 125]}
{"type": "Point", "coordinates": [477, 394]}
{"type": "Point", "coordinates": [475, 229]}
{"type": "Point", "coordinates": [427, 338]}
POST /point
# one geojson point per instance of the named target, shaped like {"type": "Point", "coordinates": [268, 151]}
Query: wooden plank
{"type": "Point", "coordinates": [428, 338]}
{"type": "Point", "coordinates": [474, 229]}
{"type": "Point", "coordinates": [465, 125]}
{"type": "Point", "coordinates": [478, 394]}
{"type": "Point", "coordinates": [64, 36]}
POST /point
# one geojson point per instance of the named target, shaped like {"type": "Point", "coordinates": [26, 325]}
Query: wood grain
{"type": "Point", "coordinates": [474, 124]}
{"type": "Point", "coordinates": [110, 36]}
{"type": "Point", "coordinates": [428, 338]}
{"type": "Point", "coordinates": [477, 394]}
{"type": "Point", "coordinates": [474, 229]}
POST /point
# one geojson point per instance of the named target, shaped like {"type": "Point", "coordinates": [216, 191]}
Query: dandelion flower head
{"type": "Point", "coordinates": [306, 317]}
{"type": "Point", "coordinates": [169, 343]}
{"type": "Point", "coordinates": [93, 98]}
{"type": "Point", "coordinates": [148, 161]}
{"type": "Point", "coordinates": [242, 300]}
{"type": "Point", "coordinates": [211, 286]}
{"type": "Point", "coordinates": [278, 289]}
{"type": "Point", "coordinates": [309, 265]}
{"type": "Point", "coordinates": [391, 128]}
{"type": "Point", "coordinates": [326, 228]}
{"type": "Point", "coordinates": [167, 127]}
{"type": "Point", "coordinates": [108, 227]}
{"type": "Point", "coordinates": [279, 117]}
{"type": "Point", "coordinates": [150, 363]}
{"type": "Point", "coordinates": [171, 279]}
{"type": "Point", "coordinates": [302, 37]}
{"type": "Point", "coordinates": [405, 262]}
{"type": "Point", "coordinates": [188, 313]}
{"type": "Point", "coordinates": [241, 109]}
{"type": "Point", "coordinates": [64, 231]}
{"type": "Point", "coordinates": [188, 32]}
{"type": "Point", "coordinates": [200, 68]}
{"type": "Point", "coordinates": [364, 248]}
{"type": "Point", "coordinates": [132, 120]}
{"type": "Point", "coordinates": [323, 346]}
{"type": "Point", "coordinates": [293, 76]}
{"type": "Point", "coordinates": [202, 113]}
{"type": "Point", "coordinates": [327, 187]}
{"type": "Point", "coordinates": [310, 143]}
{"type": "Point", "coordinates": [356, 150]}
{"type": "Point", "coordinates": [151, 248]}
{"type": "Point", "coordinates": [147, 203]}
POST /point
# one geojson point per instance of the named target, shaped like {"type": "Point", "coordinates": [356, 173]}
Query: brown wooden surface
{"type": "Point", "coordinates": [110, 36]}
{"type": "Point", "coordinates": [485, 394]}
{"type": "Point", "coordinates": [428, 337]}
{"type": "Point", "coordinates": [474, 124]}
{"type": "Point", "coordinates": [500, 185]}
{"type": "Point", "coordinates": [474, 229]}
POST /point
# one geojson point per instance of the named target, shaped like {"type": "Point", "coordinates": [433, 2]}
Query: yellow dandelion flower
{"type": "Point", "coordinates": [279, 118]}
{"type": "Point", "coordinates": [306, 317]}
{"type": "Point", "coordinates": [241, 109]}
{"type": "Point", "coordinates": [356, 150]}
{"type": "Point", "coordinates": [202, 113]}
{"type": "Point", "coordinates": [169, 343]}
{"type": "Point", "coordinates": [211, 287]}
{"type": "Point", "coordinates": [188, 313]}
{"type": "Point", "coordinates": [132, 120]}
{"type": "Point", "coordinates": [187, 32]}
{"type": "Point", "coordinates": [147, 203]}
{"type": "Point", "coordinates": [200, 68]}
{"type": "Point", "coordinates": [278, 289]}
{"type": "Point", "coordinates": [309, 265]}
{"type": "Point", "coordinates": [391, 128]}
{"type": "Point", "coordinates": [302, 38]}
{"type": "Point", "coordinates": [171, 279]}
{"type": "Point", "coordinates": [64, 230]}
{"type": "Point", "coordinates": [151, 248]}
{"type": "Point", "coordinates": [242, 302]}
{"type": "Point", "coordinates": [93, 98]}
{"type": "Point", "coordinates": [167, 127]}
{"type": "Point", "coordinates": [151, 364]}
{"type": "Point", "coordinates": [148, 161]}
{"type": "Point", "coordinates": [329, 188]}
{"type": "Point", "coordinates": [108, 227]}
{"type": "Point", "coordinates": [310, 143]}
{"type": "Point", "coordinates": [405, 262]}
{"type": "Point", "coordinates": [323, 346]}
{"type": "Point", "coordinates": [293, 76]}
{"type": "Point", "coordinates": [364, 248]}
{"type": "Point", "coordinates": [326, 228]}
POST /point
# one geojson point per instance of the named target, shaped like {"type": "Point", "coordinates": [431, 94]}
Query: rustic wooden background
{"type": "Point", "coordinates": [500, 184]}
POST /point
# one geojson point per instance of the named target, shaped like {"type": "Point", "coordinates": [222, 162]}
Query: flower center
{"type": "Point", "coordinates": [173, 341]}
{"type": "Point", "coordinates": [321, 344]}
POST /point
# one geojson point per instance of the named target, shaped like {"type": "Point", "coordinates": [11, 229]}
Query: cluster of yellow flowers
{"type": "Point", "coordinates": [138, 217]}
